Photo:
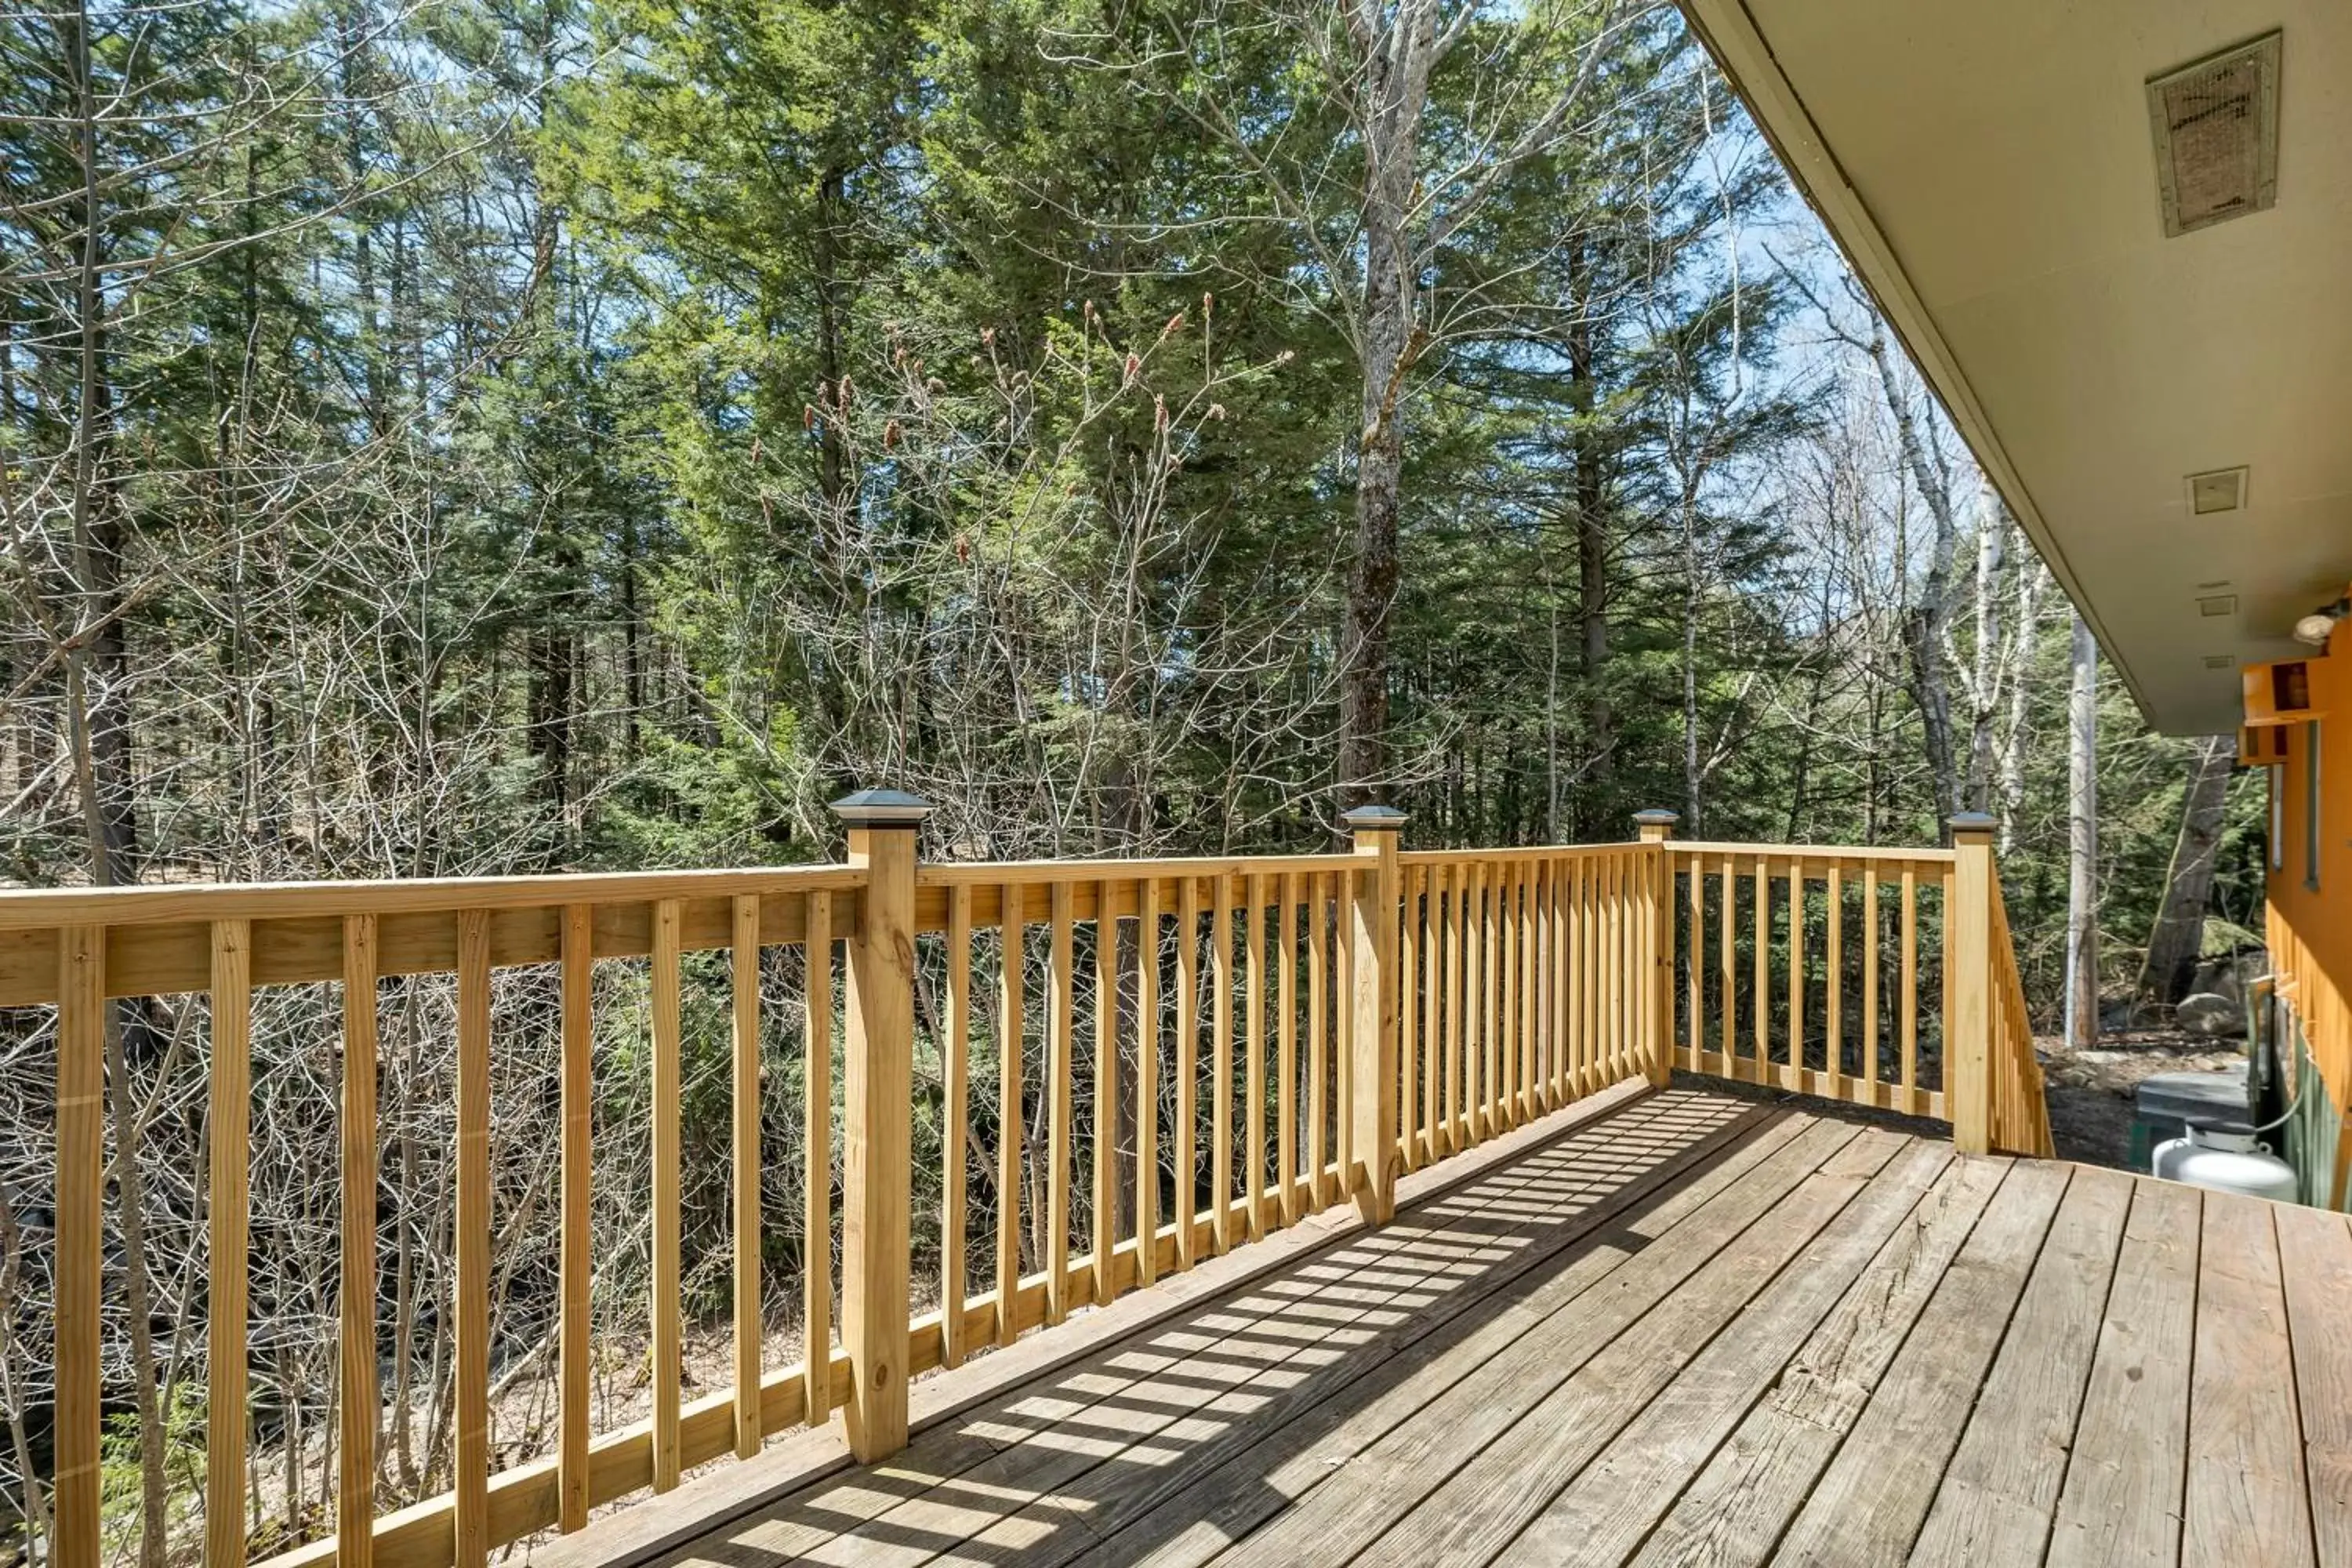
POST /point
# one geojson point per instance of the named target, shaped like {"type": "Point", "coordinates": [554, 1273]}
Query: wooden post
{"type": "Point", "coordinates": [1968, 966]}
{"type": "Point", "coordinates": [877, 1121]}
{"type": "Point", "coordinates": [80, 1242]}
{"type": "Point", "coordinates": [1657, 1002]}
{"type": "Point", "coordinates": [1372, 1038]}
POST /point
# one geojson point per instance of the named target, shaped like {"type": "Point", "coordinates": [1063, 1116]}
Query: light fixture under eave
{"type": "Point", "coordinates": [2315, 628]}
{"type": "Point", "coordinates": [2216, 126]}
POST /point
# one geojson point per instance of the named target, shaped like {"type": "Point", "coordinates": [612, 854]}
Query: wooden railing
{"type": "Point", "coordinates": [1257, 1038]}
{"type": "Point", "coordinates": [2019, 1110]}
{"type": "Point", "coordinates": [1877, 976]}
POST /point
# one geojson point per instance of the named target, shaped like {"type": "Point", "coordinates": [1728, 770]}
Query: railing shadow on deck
{"type": "Point", "coordinates": [1127, 1433]}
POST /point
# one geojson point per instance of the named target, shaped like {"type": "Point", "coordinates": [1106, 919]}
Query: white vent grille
{"type": "Point", "coordinates": [2216, 126]}
{"type": "Point", "coordinates": [2224, 490]}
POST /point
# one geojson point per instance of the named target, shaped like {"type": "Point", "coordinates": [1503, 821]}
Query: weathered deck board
{"type": "Point", "coordinates": [1689, 1331]}
{"type": "Point", "coordinates": [1477, 1497]}
{"type": "Point", "coordinates": [2001, 1489]}
{"type": "Point", "coordinates": [1870, 1502]}
{"type": "Point", "coordinates": [1738, 1505]}
{"type": "Point", "coordinates": [1606, 1510]}
{"type": "Point", "coordinates": [2316, 1250]}
{"type": "Point", "coordinates": [1350, 1511]}
{"type": "Point", "coordinates": [2245, 1496]}
{"type": "Point", "coordinates": [2122, 1497]}
{"type": "Point", "coordinates": [1280, 1467]}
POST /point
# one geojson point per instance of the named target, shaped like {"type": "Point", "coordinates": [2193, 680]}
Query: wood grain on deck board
{"type": "Point", "coordinates": [1477, 1499]}
{"type": "Point", "coordinates": [1755, 1483]}
{"type": "Point", "coordinates": [2316, 1249]}
{"type": "Point", "coordinates": [2001, 1487]}
{"type": "Point", "coordinates": [2121, 1503]}
{"type": "Point", "coordinates": [2244, 1495]}
{"type": "Point", "coordinates": [1603, 1513]}
{"type": "Point", "coordinates": [1276, 1467]}
{"type": "Point", "coordinates": [1349, 1510]}
{"type": "Point", "coordinates": [957, 1481]}
{"type": "Point", "coordinates": [1869, 1504]}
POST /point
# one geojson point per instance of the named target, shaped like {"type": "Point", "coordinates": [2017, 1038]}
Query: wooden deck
{"type": "Point", "coordinates": [1694, 1330]}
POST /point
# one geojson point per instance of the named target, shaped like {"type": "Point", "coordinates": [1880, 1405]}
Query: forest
{"type": "Point", "coordinates": [448, 437]}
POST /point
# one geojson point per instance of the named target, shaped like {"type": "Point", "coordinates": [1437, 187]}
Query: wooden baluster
{"type": "Point", "coordinates": [1762, 967]}
{"type": "Point", "coordinates": [1445, 980]}
{"type": "Point", "coordinates": [1588, 1052]}
{"type": "Point", "coordinates": [1695, 1052]}
{"type": "Point", "coordinates": [955, 1070]}
{"type": "Point", "coordinates": [1908, 996]}
{"type": "Point", "coordinates": [1408, 1023]}
{"type": "Point", "coordinates": [1610, 915]}
{"type": "Point", "coordinates": [1320, 888]}
{"type": "Point", "coordinates": [1546, 1064]}
{"type": "Point", "coordinates": [470, 1284]}
{"type": "Point", "coordinates": [1432, 1042]}
{"type": "Point", "coordinates": [1188, 1066]}
{"type": "Point", "coordinates": [228, 1203]}
{"type": "Point", "coordinates": [1013, 923]}
{"type": "Point", "coordinates": [1060, 1073]}
{"type": "Point", "coordinates": [816, 1170]}
{"type": "Point", "coordinates": [1530, 990]}
{"type": "Point", "coordinates": [1563, 965]}
{"type": "Point", "coordinates": [576, 1264]}
{"type": "Point", "coordinates": [1105, 1197]}
{"type": "Point", "coordinates": [1726, 968]}
{"type": "Point", "coordinates": [1254, 1065]}
{"type": "Point", "coordinates": [1147, 1083]}
{"type": "Point", "coordinates": [1489, 1010]}
{"type": "Point", "coordinates": [1344, 1066]}
{"type": "Point", "coordinates": [1220, 1064]}
{"type": "Point", "coordinates": [1799, 1078]}
{"type": "Point", "coordinates": [1286, 1042]}
{"type": "Point", "coordinates": [668, 1160]}
{"type": "Point", "coordinates": [1833, 1002]}
{"type": "Point", "coordinates": [80, 1245]}
{"type": "Point", "coordinates": [359, 1396]}
{"type": "Point", "coordinates": [1870, 964]}
{"type": "Point", "coordinates": [750, 1320]}
{"type": "Point", "coordinates": [1507, 1008]}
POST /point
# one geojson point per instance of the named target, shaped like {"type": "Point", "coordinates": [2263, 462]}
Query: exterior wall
{"type": "Point", "coordinates": [2310, 900]}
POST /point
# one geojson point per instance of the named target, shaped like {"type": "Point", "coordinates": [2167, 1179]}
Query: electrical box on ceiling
{"type": "Point", "coordinates": [2280, 693]}
{"type": "Point", "coordinates": [2263, 747]}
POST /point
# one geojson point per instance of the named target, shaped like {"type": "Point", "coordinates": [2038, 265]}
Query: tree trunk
{"type": "Point", "coordinates": [1373, 574]}
{"type": "Point", "coordinates": [2177, 941]}
{"type": "Point", "coordinates": [2082, 980]}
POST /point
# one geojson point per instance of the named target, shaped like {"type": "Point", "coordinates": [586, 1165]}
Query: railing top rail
{"type": "Point", "coordinates": [1001, 873]}
{"type": "Point", "coordinates": [1940, 855]}
{"type": "Point", "coordinates": [34, 909]}
{"type": "Point", "coordinates": [1521, 852]}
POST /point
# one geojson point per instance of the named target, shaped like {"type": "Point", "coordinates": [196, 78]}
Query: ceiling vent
{"type": "Point", "coordinates": [2216, 126]}
{"type": "Point", "coordinates": [2218, 606]}
{"type": "Point", "coordinates": [2221, 661]}
{"type": "Point", "coordinates": [2224, 490]}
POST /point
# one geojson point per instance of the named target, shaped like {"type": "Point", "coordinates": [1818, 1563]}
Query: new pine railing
{"type": "Point", "coordinates": [1299, 1030]}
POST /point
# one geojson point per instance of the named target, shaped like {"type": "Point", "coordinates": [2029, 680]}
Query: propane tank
{"type": "Point", "coordinates": [2225, 1156]}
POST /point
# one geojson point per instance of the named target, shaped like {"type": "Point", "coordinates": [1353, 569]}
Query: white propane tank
{"type": "Point", "coordinates": [2226, 1157]}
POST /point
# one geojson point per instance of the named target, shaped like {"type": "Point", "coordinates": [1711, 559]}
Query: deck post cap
{"type": "Point", "coordinates": [1658, 818]}
{"type": "Point", "coordinates": [1374, 818]}
{"type": "Point", "coordinates": [882, 809]}
{"type": "Point", "coordinates": [1972, 822]}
